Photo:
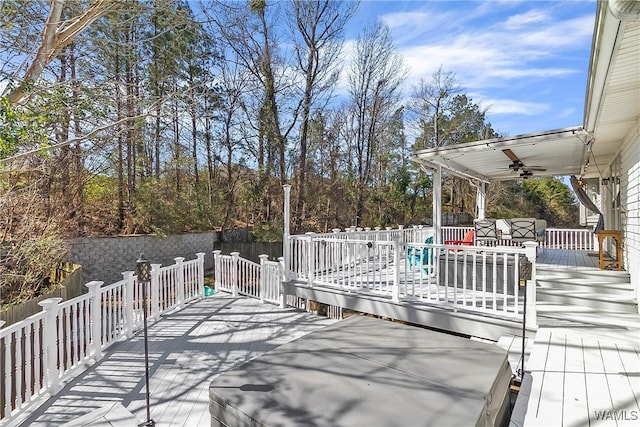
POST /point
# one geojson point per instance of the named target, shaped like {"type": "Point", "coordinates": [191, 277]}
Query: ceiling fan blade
{"type": "Point", "coordinates": [536, 168]}
{"type": "Point", "coordinates": [511, 155]}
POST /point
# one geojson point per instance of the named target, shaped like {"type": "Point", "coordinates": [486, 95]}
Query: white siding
{"type": "Point", "coordinates": [630, 180]}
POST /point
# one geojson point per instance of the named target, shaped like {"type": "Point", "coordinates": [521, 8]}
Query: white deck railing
{"type": "Point", "coordinates": [579, 239]}
{"type": "Point", "coordinates": [240, 276]}
{"type": "Point", "coordinates": [39, 352]}
{"type": "Point", "coordinates": [476, 278]}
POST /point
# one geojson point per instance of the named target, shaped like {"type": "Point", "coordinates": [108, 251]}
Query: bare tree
{"type": "Point", "coordinates": [319, 27]}
{"type": "Point", "coordinates": [432, 101]}
{"type": "Point", "coordinates": [375, 79]}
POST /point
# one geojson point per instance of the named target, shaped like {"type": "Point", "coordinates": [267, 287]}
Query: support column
{"type": "Point", "coordinates": [287, 222]}
{"type": "Point", "coordinates": [481, 199]}
{"type": "Point", "coordinates": [437, 205]}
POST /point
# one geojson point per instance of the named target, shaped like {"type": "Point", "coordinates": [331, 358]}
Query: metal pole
{"type": "Point", "coordinates": [524, 330]}
{"type": "Point", "coordinates": [149, 421]}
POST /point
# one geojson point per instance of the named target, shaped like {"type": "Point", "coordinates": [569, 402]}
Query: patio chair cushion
{"type": "Point", "coordinates": [523, 229]}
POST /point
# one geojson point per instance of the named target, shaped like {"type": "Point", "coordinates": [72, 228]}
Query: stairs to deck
{"type": "Point", "coordinates": [590, 299]}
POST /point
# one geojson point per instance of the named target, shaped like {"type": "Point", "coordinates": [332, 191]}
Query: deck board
{"type": "Point", "coordinates": [187, 349]}
{"type": "Point", "coordinates": [574, 377]}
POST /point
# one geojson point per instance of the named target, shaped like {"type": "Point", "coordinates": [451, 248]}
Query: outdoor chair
{"type": "Point", "coordinates": [421, 257]}
{"type": "Point", "coordinates": [467, 240]}
{"type": "Point", "coordinates": [485, 231]}
{"type": "Point", "coordinates": [541, 230]}
{"type": "Point", "coordinates": [523, 230]}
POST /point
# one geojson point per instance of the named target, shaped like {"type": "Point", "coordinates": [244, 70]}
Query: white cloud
{"type": "Point", "coordinates": [527, 18]}
{"type": "Point", "coordinates": [510, 106]}
{"type": "Point", "coordinates": [510, 55]}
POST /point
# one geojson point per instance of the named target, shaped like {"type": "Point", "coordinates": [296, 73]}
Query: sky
{"type": "Point", "coordinates": [526, 62]}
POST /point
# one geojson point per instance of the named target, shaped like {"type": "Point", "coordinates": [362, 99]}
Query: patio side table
{"type": "Point", "coordinates": [604, 262]}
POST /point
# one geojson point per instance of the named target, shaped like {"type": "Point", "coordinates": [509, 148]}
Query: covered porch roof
{"type": "Point", "coordinates": [611, 113]}
{"type": "Point", "coordinates": [551, 153]}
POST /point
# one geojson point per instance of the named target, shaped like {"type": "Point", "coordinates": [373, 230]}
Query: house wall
{"type": "Point", "coordinates": [630, 197]}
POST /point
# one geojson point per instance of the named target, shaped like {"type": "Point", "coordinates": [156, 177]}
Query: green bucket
{"type": "Point", "coordinates": [209, 290]}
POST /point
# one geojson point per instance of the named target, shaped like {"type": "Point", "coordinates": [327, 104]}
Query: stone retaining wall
{"type": "Point", "coordinates": [104, 258]}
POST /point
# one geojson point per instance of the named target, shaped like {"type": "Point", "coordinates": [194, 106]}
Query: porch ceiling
{"type": "Point", "coordinates": [612, 106]}
{"type": "Point", "coordinates": [552, 153]}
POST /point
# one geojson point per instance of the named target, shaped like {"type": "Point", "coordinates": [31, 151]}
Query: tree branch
{"type": "Point", "coordinates": [55, 37]}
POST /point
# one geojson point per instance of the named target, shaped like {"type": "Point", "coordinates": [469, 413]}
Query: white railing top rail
{"type": "Point", "coordinates": [101, 335]}
{"type": "Point", "coordinates": [15, 327]}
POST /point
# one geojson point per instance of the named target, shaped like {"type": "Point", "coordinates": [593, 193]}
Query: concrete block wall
{"type": "Point", "coordinates": [105, 258]}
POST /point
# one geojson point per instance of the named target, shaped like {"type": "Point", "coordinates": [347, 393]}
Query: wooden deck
{"type": "Point", "coordinates": [187, 350]}
{"type": "Point", "coordinates": [584, 364]}
{"type": "Point", "coordinates": [585, 356]}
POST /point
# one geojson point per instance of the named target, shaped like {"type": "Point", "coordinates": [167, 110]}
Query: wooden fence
{"type": "Point", "coordinates": [69, 277]}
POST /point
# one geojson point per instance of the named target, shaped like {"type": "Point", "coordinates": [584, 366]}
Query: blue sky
{"type": "Point", "coordinates": [525, 61]}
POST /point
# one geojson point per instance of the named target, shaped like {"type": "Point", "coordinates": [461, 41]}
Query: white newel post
{"type": "Point", "coordinates": [234, 273]}
{"type": "Point", "coordinates": [180, 280]}
{"type": "Point", "coordinates": [287, 220]}
{"type": "Point", "coordinates": [95, 319]}
{"type": "Point", "coordinates": [532, 318]}
{"type": "Point", "coordinates": [281, 295]}
{"type": "Point", "coordinates": [395, 290]}
{"type": "Point", "coordinates": [311, 262]}
{"type": "Point", "coordinates": [217, 273]}
{"type": "Point", "coordinates": [129, 320]}
{"type": "Point", "coordinates": [154, 291]}
{"type": "Point", "coordinates": [200, 256]}
{"type": "Point", "coordinates": [50, 351]}
{"type": "Point", "coordinates": [263, 275]}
